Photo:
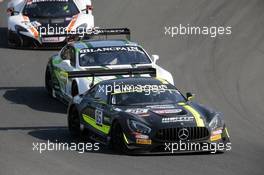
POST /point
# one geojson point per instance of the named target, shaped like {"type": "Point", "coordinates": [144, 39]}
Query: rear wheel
{"type": "Point", "coordinates": [74, 90]}
{"type": "Point", "coordinates": [74, 123]}
{"type": "Point", "coordinates": [48, 81]}
{"type": "Point", "coordinates": [118, 142]}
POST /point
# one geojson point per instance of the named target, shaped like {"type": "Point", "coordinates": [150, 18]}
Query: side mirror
{"type": "Point", "coordinates": [189, 96]}
{"type": "Point", "coordinates": [10, 11]}
{"type": "Point", "coordinates": [155, 58]}
{"type": "Point", "coordinates": [88, 9]}
{"type": "Point", "coordinates": [97, 98]}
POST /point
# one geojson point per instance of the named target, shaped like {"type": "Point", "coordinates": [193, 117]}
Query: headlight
{"type": "Point", "coordinates": [20, 28]}
{"type": "Point", "coordinates": [139, 127]}
{"type": "Point", "coordinates": [216, 122]}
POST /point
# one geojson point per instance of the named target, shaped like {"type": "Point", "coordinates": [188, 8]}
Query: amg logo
{"type": "Point", "coordinates": [177, 119]}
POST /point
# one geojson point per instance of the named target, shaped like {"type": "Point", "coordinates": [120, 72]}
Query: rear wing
{"type": "Point", "coordinates": [112, 72]}
{"type": "Point", "coordinates": [113, 32]}
{"type": "Point", "coordinates": [105, 33]}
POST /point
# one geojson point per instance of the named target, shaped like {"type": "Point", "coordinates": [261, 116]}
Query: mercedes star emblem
{"type": "Point", "coordinates": [183, 134]}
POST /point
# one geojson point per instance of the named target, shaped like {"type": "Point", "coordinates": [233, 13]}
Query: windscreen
{"type": "Point", "coordinates": [50, 8]}
{"type": "Point", "coordinates": [141, 98]}
{"type": "Point", "coordinates": [112, 56]}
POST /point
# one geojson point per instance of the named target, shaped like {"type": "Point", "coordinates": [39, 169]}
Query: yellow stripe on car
{"type": "Point", "coordinates": [63, 74]}
{"type": "Point", "coordinates": [125, 138]}
{"type": "Point", "coordinates": [227, 133]}
{"type": "Point", "coordinates": [197, 116]}
{"type": "Point", "coordinates": [91, 121]}
{"type": "Point", "coordinates": [163, 81]}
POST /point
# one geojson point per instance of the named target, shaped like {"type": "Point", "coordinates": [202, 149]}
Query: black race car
{"type": "Point", "coordinates": [143, 115]}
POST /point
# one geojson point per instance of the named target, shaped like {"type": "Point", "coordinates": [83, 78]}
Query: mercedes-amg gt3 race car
{"type": "Point", "coordinates": [144, 115]}
{"type": "Point", "coordinates": [35, 23]}
{"type": "Point", "coordinates": [95, 55]}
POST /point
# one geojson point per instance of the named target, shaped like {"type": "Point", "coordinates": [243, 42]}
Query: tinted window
{"type": "Point", "coordinates": [72, 56]}
{"type": "Point", "coordinates": [91, 92]}
{"type": "Point", "coordinates": [137, 98]}
{"type": "Point", "coordinates": [65, 54]}
{"type": "Point", "coordinates": [50, 8]}
{"type": "Point", "coordinates": [101, 96]}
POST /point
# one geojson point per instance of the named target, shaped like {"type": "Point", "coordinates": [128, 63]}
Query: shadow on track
{"type": "Point", "coordinates": [37, 99]}
{"type": "Point", "coordinates": [33, 97]}
{"type": "Point", "coordinates": [3, 34]}
{"type": "Point", "coordinates": [62, 135]}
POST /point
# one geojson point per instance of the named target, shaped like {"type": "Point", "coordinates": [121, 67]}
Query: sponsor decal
{"type": "Point", "coordinates": [109, 49]}
{"type": "Point", "coordinates": [215, 137]}
{"type": "Point", "coordinates": [50, 39]}
{"type": "Point", "coordinates": [168, 111]}
{"type": "Point", "coordinates": [177, 119]}
{"type": "Point", "coordinates": [99, 116]}
{"type": "Point", "coordinates": [144, 115]}
{"type": "Point", "coordinates": [36, 1]}
{"type": "Point", "coordinates": [68, 18]}
{"type": "Point", "coordinates": [161, 106]}
{"type": "Point", "coordinates": [141, 136]}
{"type": "Point", "coordinates": [137, 111]}
{"type": "Point", "coordinates": [35, 24]}
{"type": "Point", "coordinates": [91, 121]}
{"type": "Point", "coordinates": [117, 109]}
{"type": "Point", "coordinates": [217, 132]}
{"type": "Point", "coordinates": [144, 141]}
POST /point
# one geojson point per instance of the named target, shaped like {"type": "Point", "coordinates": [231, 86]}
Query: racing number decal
{"type": "Point", "coordinates": [99, 116]}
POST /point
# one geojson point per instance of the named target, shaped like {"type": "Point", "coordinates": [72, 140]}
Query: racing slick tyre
{"type": "Point", "coordinates": [118, 142]}
{"type": "Point", "coordinates": [48, 81]}
{"type": "Point", "coordinates": [12, 40]}
{"type": "Point", "coordinates": [15, 40]}
{"type": "Point", "coordinates": [74, 123]}
{"type": "Point", "coordinates": [74, 90]}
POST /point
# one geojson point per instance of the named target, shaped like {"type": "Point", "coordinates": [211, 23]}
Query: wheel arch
{"type": "Point", "coordinates": [71, 108]}
{"type": "Point", "coordinates": [74, 84]}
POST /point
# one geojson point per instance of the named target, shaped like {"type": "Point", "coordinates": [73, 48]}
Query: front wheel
{"type": "Point", "coordinates": [13, 40]}
{"type": "Point", "coordinates": [48, 81]}
{"type": "Point", "coordinates": [118, 142]}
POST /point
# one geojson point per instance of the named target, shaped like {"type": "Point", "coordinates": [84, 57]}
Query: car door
{"type": "Point", "coordinates": [67, 64]}
{"type": "Point", "coordinates": [96, 113]}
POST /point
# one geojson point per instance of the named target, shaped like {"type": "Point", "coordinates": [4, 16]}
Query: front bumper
{"type": "Point", "coordinates": [152, 145]}
{"type": "Point", "coordinates": [180, 147]}
{"type": "Point", "coordinates": [18, 39]}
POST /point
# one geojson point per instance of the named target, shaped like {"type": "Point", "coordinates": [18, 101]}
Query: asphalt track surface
{"type": "Point", "coordinates": [225, 72]}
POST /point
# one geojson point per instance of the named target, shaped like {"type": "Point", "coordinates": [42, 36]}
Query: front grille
{"type": "Point", "coordinates": [172, 134]}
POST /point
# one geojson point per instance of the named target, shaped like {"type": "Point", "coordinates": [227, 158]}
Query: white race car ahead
{"type": "Point", "coordinates": [82, 64]}
{"type": "Point", "coordinates": [36, 23]}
